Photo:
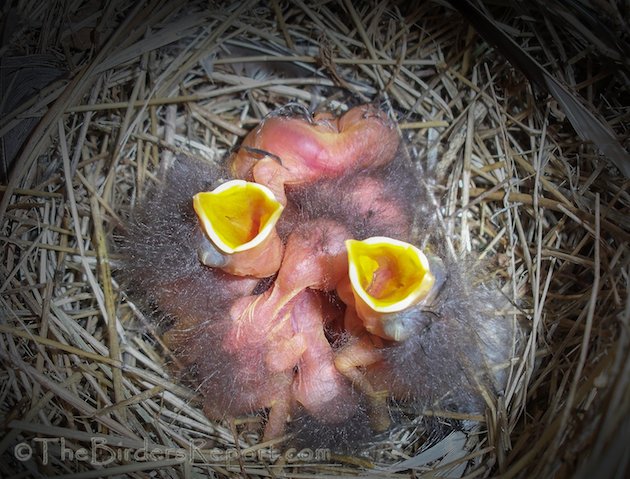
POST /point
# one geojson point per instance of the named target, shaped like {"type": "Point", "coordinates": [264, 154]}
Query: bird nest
{"type": "Point", "coordinates": [97, 105]}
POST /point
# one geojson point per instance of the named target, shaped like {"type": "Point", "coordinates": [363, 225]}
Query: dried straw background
{"type": "Point", "coordinates": [517, 189]}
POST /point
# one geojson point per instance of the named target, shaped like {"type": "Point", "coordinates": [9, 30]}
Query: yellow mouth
{"type": "Point", "coordinates": [387, 274]}
{"type": "Point", "coordinates": [238, 215]}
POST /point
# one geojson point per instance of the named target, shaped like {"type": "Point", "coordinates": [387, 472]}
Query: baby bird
{"type": "Point", "coordinates": [298, 150]}
{"type": "Point", "coordinates": [297, 286]}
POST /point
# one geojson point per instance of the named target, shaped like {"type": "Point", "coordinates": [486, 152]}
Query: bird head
{"type": "Point", "coordinates": [239, 219]}
{"type": "Point", "coordinates": [287, 150]}
{"type": "Point", "coordinates": [390, 279]}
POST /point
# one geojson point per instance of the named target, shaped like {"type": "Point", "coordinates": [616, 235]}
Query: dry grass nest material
{"type": "Point", "coordinates": [518, 192]}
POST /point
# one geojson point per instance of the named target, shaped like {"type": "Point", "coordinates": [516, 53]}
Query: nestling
{"type": "Point", "coordinates": [298, 286]}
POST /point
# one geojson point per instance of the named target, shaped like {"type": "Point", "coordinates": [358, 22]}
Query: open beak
{"type": "Point", "coordinates": [239, 218]}
{"type": "Point", "coordinates": [388, 277]}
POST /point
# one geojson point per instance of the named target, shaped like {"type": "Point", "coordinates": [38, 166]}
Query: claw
{"type": "Point", "coordinates": [351, 361]}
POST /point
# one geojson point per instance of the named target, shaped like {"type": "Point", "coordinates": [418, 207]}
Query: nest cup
{"type": "Point", "coordinates": [100, 103]}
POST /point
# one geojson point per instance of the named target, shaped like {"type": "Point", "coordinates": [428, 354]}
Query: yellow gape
{"type": "Point", "coordinates": [388, 275]}
{"type": "Point", "coordinates": [238, 215]}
